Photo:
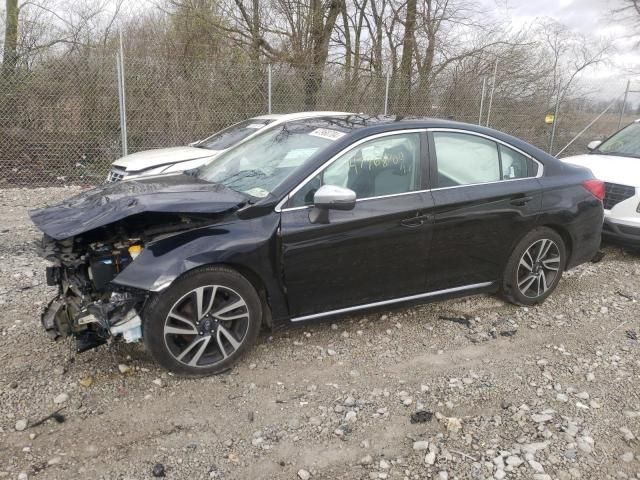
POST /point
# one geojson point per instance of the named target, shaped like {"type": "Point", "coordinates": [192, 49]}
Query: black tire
{"type": "Point", "coordinates": [516, 276]}
{"type": "Point", "coordinates": [168, 314]}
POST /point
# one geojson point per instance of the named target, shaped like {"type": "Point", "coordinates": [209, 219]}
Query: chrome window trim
{"type": "Point", "coordinates": [483, 183]}
{"type": "Point", "coordinates": [391, 301]}
{"type": "Point", "coordinates": [303, 207]}
{"type": "Point", "coordinates": [342, 152]}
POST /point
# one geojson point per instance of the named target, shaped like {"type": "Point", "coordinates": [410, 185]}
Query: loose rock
{"type": "Point", "coordinates": [303, 474]}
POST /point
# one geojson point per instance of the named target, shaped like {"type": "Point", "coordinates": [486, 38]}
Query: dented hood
{"type": "Point", "coordinates": [114, 201]}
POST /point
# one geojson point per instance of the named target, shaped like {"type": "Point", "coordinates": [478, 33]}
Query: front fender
{"type": "Point", "coordinates": [250, 244]}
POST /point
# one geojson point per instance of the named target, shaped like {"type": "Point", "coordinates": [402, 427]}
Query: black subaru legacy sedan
{"type": "Point", "coordinates": [317, 218]}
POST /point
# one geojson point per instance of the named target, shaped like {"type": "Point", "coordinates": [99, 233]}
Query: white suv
{"type": "Point", "coordinates": [616, 161]}
{"type": "Point", "coordinates": [179, 159]}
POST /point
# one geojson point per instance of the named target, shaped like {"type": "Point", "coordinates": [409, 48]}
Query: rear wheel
{"type": "Point", "coordinates": [204, 323]}
{"type": "Point", "coordinates": [534, 267]}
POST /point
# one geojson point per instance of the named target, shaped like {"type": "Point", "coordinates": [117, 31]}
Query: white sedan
{"type": "Point", "coordinates": [179, 159]}
{"type": "Point", "coordinates": [616, 161]}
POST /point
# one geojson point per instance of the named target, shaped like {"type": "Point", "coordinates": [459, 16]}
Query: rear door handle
{"type": "Point", "coordinates": [521, 201]}
{"type": "Point", "coordinates": [416, 221]}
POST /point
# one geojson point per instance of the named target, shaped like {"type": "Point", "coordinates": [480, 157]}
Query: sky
{"type": "Point", "coordinates": [592, 18]}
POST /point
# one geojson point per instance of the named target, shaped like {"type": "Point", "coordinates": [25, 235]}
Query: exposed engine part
{"type": "Point", "coordinates": [87, 306]}
{"type": "Point", "coordinates": [130, 327]}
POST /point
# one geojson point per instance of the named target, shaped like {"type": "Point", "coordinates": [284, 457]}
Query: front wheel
{"type": "Point", "coordinates": [204, 322]}
{"type": "Point", "coordinates": [534, 267]}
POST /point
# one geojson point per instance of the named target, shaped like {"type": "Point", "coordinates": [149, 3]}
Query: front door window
{"type": "Point", "coordinates": [382, 166]}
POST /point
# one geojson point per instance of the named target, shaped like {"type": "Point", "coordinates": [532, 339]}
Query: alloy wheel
{"type": "Point", "coordinates": [206, 325]}
{"type": "Point", "coordinates": [538, 268]}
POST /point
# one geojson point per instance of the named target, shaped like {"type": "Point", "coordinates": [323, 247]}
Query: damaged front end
{"type": "Point", "coordinates": [90, 239]}
{"type": "Point", "coordinates": [88, 306]}
{"type": "Point", "coordinates": [91, 305]}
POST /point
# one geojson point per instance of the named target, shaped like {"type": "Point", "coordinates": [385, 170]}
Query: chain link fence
{"type": "Point", "coordinates": [60, 121]}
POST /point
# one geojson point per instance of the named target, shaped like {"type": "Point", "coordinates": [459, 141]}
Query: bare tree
{"type": "Point", "coordinates": [10, 53]}
{"type": "Point", "coordinates": [570, 54]}
{"type": "Point", "coordinates": [298, 32]}
{"type": "Point", "coordinates": [629, 12]}
{"type": "Point", "coordinates": [35, 27]}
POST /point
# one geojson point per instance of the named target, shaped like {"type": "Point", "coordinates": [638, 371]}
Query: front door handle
{"type": "Point", "coordinates": [521, 201]}
{"type": "Point", "coordinates": [416, 221]}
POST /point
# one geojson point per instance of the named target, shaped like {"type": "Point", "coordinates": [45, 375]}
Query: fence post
{"type": "Point", "coordinates": [269, 86]}
{"type": "Point", "coordinates": [121, 97]}
{"type": "Point", "coordinates": [493, 89]}
{"type": "Point", "coordinates": [484, 89]}
{"type": "Point", "coordinates": [624, 104]}
{"type": "Point", "coordinates": [386, 94]}
{"type": "Point", "coordinates": [555, 122]}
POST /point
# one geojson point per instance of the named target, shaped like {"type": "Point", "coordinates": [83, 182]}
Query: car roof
{"type": "Point", "coordinates": [349, 122]}
{"type": "Point", "coordinates": [300, 115]}
{"type": "Point", "coordinates": [359, 126]}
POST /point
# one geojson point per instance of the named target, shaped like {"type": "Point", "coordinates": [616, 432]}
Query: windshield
{"type": "Point", "coordinates": [625, 143]}
{"type": "Point", "coordinates": [259, 165]}
{"type": "Point", "coordinates": [231, 135]}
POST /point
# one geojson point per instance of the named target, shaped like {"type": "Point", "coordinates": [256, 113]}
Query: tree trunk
{"type": "Point", "coordinates": [406, 63]}
{"type": "Point", "coordinates": [10, 56]}
{"type": "Point", "coordinates": [312, 76]}
{"type": "Point", "coordinates": [426, 71]}
{"type": "Point", "coordinates": [348, 48]}
{"type": "Point", "coordinates": [321, 30]}
{"type": "Point", "coordinates": [255, 36]}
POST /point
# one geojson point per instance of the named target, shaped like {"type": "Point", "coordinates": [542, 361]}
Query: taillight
{"type": "Point", "coordinates": [596, 187]}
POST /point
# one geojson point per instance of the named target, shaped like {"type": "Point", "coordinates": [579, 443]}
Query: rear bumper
{"type": "Point", "coordinates": [622, 219]}
{"type": "Point", "coordinates": [621, 233]}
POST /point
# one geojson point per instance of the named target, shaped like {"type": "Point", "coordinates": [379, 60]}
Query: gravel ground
{"type": "Point", "coordinates": [463, 389]}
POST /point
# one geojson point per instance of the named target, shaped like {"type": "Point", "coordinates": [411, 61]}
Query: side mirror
{"type": "Point", "coordinates": [330, 197]}
{"type": "Point", "coordinates": [593, 145]}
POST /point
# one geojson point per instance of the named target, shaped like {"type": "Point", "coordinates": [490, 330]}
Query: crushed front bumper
{"type": "Point", "coordinates": [93, 323]}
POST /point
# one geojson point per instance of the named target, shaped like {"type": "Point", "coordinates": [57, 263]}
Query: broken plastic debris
{"type": "Point", "coordinates": [421, 416]}
{"type": "Point", "coordinates": [158, 470]}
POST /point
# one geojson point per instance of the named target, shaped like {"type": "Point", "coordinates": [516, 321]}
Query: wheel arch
{"type": "Point", "coordinates": [252, 276]}
{"type": "Point", "coordinates": [559, 229]}
{"type": "Point", "coordinates": [566, 238]}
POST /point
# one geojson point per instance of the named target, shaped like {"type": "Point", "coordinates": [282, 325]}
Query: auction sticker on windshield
{"type": "Point", "coordinates": [326, 133]}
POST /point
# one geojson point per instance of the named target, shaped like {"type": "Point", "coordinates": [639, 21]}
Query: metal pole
{"type": "Point", "coordinates": [493, 89]}
{"type": "Point", "coordinates": [624, 104]}
{"type": "Point", "coordinates": [121, 97]}
{"type": "Point", "coordinates": [386, 94]}
{"type": "Point", "coordinates": [587, 127]}
{"type": "Point", "coordinates": [484, 89]}
{"type": "Point", "coordinates": [269, 81]}
{"type": "Point", "coordinates": [553, 125]}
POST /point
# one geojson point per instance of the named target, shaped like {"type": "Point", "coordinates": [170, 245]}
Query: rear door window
{"type": "Point", "coordinates": [465, 159]}
{"type": "Point", "coordinates": [515, 164]}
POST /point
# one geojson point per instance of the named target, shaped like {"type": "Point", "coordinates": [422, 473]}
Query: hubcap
{"type": "Point", "coordinates": [206, 325]}
{"type": "Point", "coordinates": [538, 268]}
